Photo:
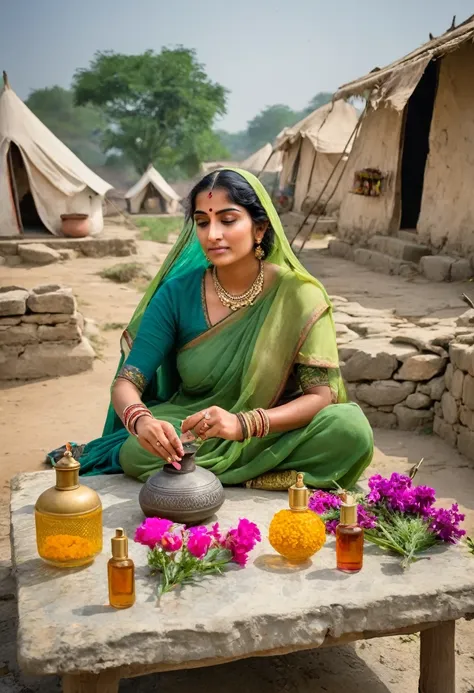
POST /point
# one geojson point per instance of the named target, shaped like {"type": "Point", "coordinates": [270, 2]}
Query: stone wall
{"type": "Point", "coordinates": [454, 414]}
{"type": "Point", "coordinates": [41, 334]}
{"type": "Point", "coordinates": [403, 374]}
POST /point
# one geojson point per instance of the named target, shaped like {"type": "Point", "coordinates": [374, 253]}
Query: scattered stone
{"type": "Point", "coordinates": [60, 301]}
{"type": "Point", "coordinates": [49, 318]}
{"type": "Point", "coordinates": [466, 442]}
{"type": "Point", "coordinates": [13, 302]}
{"type": "Point", "coordinates": [461, 271]}
{"type": "Point", "coordinates": [342, 249]}
{"type": "Point", "coordinates": [67, 255]}
{"type": "Point", "coordinates": [448, 375]}
{"type": "Point", "coordinates": [413, 419]}
{"type": "Point", "coordinates": [466, 339]}
{"type": "Point", "coordinates": [438, 409]}
{"type": "Point", "coordinates": [384, 392]}
{"type": "Point", "coordinates": [47, 361]}
{"type": "Point", "coordinates": [387, 409]}
{"type": "Point", "coordinates": [437, 387]}
{"type": "Point", "coordinates": [428, 322]}
{"type": "Point", "coordinates": [445, 431]}
{"type": "Point", "coordinates": [19, 334]}
{"type": "Point", "coordinates": [338, 299]}
{"type": "Point", "coordinates": [38, 254]}
{"type": "Point", "coordinates": [363, 366]}
{"type": "Point", "coordinates": [462, 356]}
{"type": "Point", "coordinates": [13, 261]}
{"type": "Point", "coordinates": [468, 392]}
{"type": "Point", "coordinates": [466, 319]}
{"type": "Point", "coordinates": [421, 367]}
{"type": "Point", "coordinates": [358, 311]}
{"type": "Point", "coordinates": [11, 287]}
{"type": "Point", "coordinates": [420, 344]}
{"type": "Point", "coordinates": [450, 408]}
{"type": "Point", "coordinates": [457, 383]}
{"type": "Point", "coordinates": [436, 268]}
{"type": "Point", "coordinates": [466, 417]}
{"type": "Point", "coordinates": [418, 401]}
{"type": "Point", "coordinates": [46, 288]}
{"type": "Point", "coordinates": [59, 333]}
{"type": "Point", "coordinates": [10, 321]}
{"type": "Point", "coordinates": [379, 419]}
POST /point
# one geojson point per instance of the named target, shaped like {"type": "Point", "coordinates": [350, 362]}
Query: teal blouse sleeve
{"type": "Point", "coordinates": [174, 317]}
{"type": "Point", "coordinates": [154, 341]}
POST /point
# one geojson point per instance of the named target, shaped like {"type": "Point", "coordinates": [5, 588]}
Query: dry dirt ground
{"type": "Point", "coordinates": [37, 416]}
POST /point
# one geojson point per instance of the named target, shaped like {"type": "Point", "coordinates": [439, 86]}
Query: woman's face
{"type": "Point", "coordinates": [225, 230]}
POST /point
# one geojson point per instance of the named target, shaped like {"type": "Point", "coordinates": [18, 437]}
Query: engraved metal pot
{"type": "Point", "coordinates": [186, 496]}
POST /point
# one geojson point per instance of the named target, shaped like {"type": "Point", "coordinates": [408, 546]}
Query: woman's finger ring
{"type": "Point", "coordinates": [207, 416]}
{"type": "Point", "coordinates": [158, 444]}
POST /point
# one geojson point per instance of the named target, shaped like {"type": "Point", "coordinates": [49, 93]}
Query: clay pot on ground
{"type": "Point", "coordinates": [75, 225]}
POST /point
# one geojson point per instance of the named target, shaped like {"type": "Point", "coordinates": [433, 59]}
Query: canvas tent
{"type": "Point", "coordinates": [40, 178]}
{"type": "Point", "coordinates": [152, 194]}
{"type": "Point", "coordinates": [418, 130]}
{"type": "Point", "coordinates": [311, 150]}
{"type": "Point", "coordinates": [263, 160]}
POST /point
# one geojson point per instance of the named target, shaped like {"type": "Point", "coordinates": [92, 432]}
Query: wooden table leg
{"type": "Point", "coordinates": [437, 665]}
{"type": "Point", "coordinates": [106, 682]}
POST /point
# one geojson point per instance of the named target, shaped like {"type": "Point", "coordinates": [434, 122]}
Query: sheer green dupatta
{"type": "Point", "coordinates": [245, 363]}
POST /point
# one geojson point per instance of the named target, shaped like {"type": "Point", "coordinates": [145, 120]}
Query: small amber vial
{"type": "Point", "coordinates": [121, 573]}
{"type": "Point", "coordinates": [349, 538]}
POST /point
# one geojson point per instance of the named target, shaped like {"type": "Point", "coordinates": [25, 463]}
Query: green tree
{"type": "Point", "coordinates": [79, 127]}
{"type": "Point", "coordinates": [160, 107]}
{"type": "Point", "coordinates": [268, 123]}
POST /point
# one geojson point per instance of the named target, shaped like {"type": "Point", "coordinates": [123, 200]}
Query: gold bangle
{"type": "Point", "coordinates": [249, 422]}
{"type": "Point", "coordinates": [266, 420]}
{"type": "Point", "coordinates": [253, 417]}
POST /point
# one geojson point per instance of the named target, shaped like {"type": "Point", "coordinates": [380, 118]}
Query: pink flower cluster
{"type": "Point", "coordinates": [399, 494]}
{"type": "Point", "coordinates": [157, 532]}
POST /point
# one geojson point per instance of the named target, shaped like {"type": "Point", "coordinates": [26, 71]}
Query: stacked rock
{"type": "Point", "coordinates": [41, 334]}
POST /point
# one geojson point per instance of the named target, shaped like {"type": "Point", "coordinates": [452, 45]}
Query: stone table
{"type": "Point", "coordinates": [66, 626]}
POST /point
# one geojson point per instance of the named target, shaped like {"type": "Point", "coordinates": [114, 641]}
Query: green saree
{"type": "Point", "coordinates": [242, 363]}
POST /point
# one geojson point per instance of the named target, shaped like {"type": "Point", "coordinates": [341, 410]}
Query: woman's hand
{"type": "Point", "coordinates": [159, 438]}
{"type": "Point", "coordinates": [213, 423]}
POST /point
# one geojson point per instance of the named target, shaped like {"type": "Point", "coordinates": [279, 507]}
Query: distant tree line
{"type": "Point", "coordinates": [127, 111]}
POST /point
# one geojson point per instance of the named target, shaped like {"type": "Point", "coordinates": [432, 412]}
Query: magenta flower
{"type": "Point", "coordinates": [365, 519]}
{"type": "Point", "coordinates": [445, 523]}
{"type": "Point", "coordinates": [151, 531]}
{"type": "Point", "coordinates": [242, 540]}
{"type": "Point", "coordinates": [199, 541]}
{"type": "Point", "coordinates": [331, 526]}
{"type": "Point", "coordinates": [321, 502]}
{"type": "Point", "coordinates": [216, 533]}
{"type": "Point", "coordinates": [172, 541]}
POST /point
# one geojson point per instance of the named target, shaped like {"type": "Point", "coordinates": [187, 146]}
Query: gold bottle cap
{"type": "Point", "coordinates": [119, 544]}
{"type": "Point", "coordinates": [67, 471]}
{"type": "Point", "coordinates": [348, 510]}
{"type": "Point", "coordinates": [298, 495]}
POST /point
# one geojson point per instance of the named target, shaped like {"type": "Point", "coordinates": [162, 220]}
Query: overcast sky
{"type": "Point", "coordinates": [283, 54]}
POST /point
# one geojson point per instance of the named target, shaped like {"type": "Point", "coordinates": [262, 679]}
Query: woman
{"type": "Point", "coordinates": [233, 344]}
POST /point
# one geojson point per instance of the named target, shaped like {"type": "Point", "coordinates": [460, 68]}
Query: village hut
{"type": "Point", "coordinates": [312, 150]}
{"type": "Point", "coordinates": [412, 165]}
{"type": "Point", "coordinates": [40, 178]}
{"type": "Point", "coordinates": [263, 160]}
{"type": "Point", "coordinates": [152, 195]}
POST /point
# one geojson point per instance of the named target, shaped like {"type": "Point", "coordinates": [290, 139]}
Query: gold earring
{"type": "Point", "coordinates": [259, 252]}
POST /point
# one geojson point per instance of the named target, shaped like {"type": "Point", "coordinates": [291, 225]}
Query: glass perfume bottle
{"type": "Point", "coordinates": [297, 533]}
{"type": "Point", "coordinates": [349, 538]}
{"type": "Point", "coordinates": [68, 518]}
{"type": "Point", "coordinates": [121, 573]}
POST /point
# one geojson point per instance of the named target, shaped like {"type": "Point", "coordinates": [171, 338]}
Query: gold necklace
{"type": "Point", "coordinates": [246, 299]}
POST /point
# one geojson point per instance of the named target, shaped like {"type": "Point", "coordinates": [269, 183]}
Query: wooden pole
{"type": "Point", "coordinates": [106, 682]}
{"type": "Point", "coordinates": [437, 659]}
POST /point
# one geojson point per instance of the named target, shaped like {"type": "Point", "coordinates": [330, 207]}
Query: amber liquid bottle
{"type": "Point", "coordinates": [349, 538]}
{"type": "Point", "coordinates": [121, 573]}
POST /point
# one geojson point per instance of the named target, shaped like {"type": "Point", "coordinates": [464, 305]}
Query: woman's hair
{"type": "Point", "coordinates": [241, 193]}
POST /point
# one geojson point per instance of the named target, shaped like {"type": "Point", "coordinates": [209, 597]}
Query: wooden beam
{"type": "Point", "coordinates": [437, 659]}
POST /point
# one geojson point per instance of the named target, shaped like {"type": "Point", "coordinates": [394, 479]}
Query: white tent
{"type": "Point", "coordinates": [263, 160]}
{"type": "Point", "coordinates": [40, 178]}
{"type": "Point", "coordinates": [152, 194]}
{"type": "Point", "coordinates": [311, 150]}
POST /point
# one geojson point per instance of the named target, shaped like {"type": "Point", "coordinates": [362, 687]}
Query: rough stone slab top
{"type": "Point", "coordinates": [66, 625]}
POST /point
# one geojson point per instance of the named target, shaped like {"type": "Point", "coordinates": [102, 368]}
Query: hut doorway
{"type": "Point", "coordinates": [27, 214]}
{"type": "Point", "coordinates": [415, 143]}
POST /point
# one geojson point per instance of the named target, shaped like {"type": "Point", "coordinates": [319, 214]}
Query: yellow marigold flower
{"type": "Point", "coordinates": [297, 536]}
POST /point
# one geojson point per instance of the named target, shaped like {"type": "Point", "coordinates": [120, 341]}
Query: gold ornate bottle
{"type": "Point", "coordinates": [121, 573]}
{"type": "Point", "coordinates": [68, 518]}
{"type": "Point", "coordinates": [297, 533]}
